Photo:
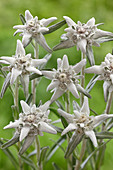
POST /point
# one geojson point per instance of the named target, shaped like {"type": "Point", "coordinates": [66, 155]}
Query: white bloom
{"type": "Point", "coordinates": [65, 78]}
{"type": "Point", "coordinates": [83, 36]}
{"type": "Point", "coordinates": [105, 71]}
{"type": "Point", "coordinates": [21, 65]}
{"type": "Point", "coordinates": [32, 121]}
{"type": "Point", "coordinates": [82, 123]}
{"type": "Point", "coordinates": [34, 28]}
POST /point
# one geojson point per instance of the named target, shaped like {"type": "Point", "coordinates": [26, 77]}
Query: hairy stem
{"type": "Point", "coordinates": [109, 102]}
{"type": "Point", "coordinates": [16, 93]}
{"type": "Point", "coordinates": [83, 56]}
{"type": "Point", "coordinates": [36, 52]}
{"type": "Point", "coordinates": [40, 167]}
{"type": "Point", "coordinates": [77, 167]}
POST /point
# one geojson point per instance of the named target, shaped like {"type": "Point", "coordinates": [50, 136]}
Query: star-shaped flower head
{"type": "Point", "coordinates": [32, 121]}
{"type": "Point", "coordinates": [65, 78]}
{"type": "Point", "coordinates": [34, 29]}
{"type": "Point", "coordinates": [105, 71]}
{"type": "Point", "coordinates": [83, 36]}
{"type": "Point", "coordinates": [21, 65]}
{"type": "Point", "coordinates": [82, 124]}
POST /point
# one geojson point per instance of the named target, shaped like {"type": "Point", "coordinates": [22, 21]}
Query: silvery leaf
{"type": "Point", "coordinates": [82, 90]}
{"type": "Point", "coordinates": [22, 19]}
{"type": "Point", "coordinates": [12, 141]}
{"type": "Point", "coordinates": [74, 141]}
{"type": "Point", "coordinates": [76, 106]}
{"type": "Point", "coordinates": [55, 27]}
{"type": "Point", "coordinates": [5, 84]}
{"type": "Point", "coordinates": [47, 57]}
{"type": "Point", "coordinates": [43, 154]}
{"type": "Point", "coordinates": [28, 141]}
{"type": "Point", "coordinates": [89, 54]}
{"type": "Point", "coordinates": [63, 45]}
{"type": "Point", "coordinates": [104, 135]}
{"type": "Point", "coordinates": [34, 76]}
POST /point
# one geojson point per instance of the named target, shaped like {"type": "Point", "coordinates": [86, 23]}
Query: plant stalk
{"type": "Point", "coordinates": [36, 52]}
{"type": "Point", "coordinates": [16, 93]}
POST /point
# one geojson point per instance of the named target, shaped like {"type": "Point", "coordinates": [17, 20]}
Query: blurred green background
{"type": "Point", "coordinates": [81, 10]}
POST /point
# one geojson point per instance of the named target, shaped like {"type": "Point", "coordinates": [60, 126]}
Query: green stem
{"type": "Point", "coordinates": [83, 56]}
{"type": "Point", "coordinates": [108, 105]}
{"type": "Point", "coordinates": [77, 167]}
{"type": "Point", "coordinates": [40, 167]}
{"type": "Point", "coordinates": [16, 93]}
{"type": "Point", "coordinates": [36, 52]}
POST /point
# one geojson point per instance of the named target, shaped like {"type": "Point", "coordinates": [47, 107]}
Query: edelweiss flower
{"type": "Point", "coordinates": [83, 36]}
{"type": "Point", "coordinates": [34, 28]}
{"type": "Point", "coordinates": [105, 71]}
{"type": "Point", "coordinates": [21, 65]}
{"type": "Point", "coordinates": [65, 78]}
{"type": "Point", "coordinates": [33, 121]}
{"type": "Point", "coordinates": [82, 124]}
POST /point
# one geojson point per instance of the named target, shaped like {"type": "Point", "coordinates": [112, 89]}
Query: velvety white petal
{"type": "Point", "coordinates": [57, 93]}
{"type": "Point", "coordinates": [72, 88]}
{"type": "Point", "coordinates": [49, 74]}
{"type": "Point", "coordinates": [41, 40]}
{"type": "Point", "coordinates": [70, 127]}
{"type": "Point", "coordinates": [69, 30]}
{"type": "Point", "coordinates": [100, 33]}
{"type": "Point", "coordinates": [8, 60]}
{"type": "Point", "coordinates": [28, 55]}
{"type": "Point", "coordinates": [77, 114]}
{"type": "Point", "coordinates": [111, 77]}
{"type": "Point", "coordinates": [43, 29]}
{"type": "Point", "coordinates": [28, 15]}
{"type": "Point", "coordinates": [37, 62]}
{"type": "Point", "coordinates": [69, 117]}
{"type": "Point", "coordinates": [45, 106]}
{"type": "Point", "coordinates": [59, 62]}
{"type": "Point", "coordinates": [44, 127]}
{"type": "Point", "coordinates": [14, 74]}
{"type": "Point", "coordinates": [77, 68]}
{"type": "Point", "coordinates": [101, 118]}
{"type": "Point", "coordinates": [53, 84]}
{"type": "Point", "coordinates": [46, 22]}
{"type": "Point", "coordinates": [91, 22]}
{"type": "Point", "coordinates": [20, 27]}
{"type": "Point", "coordinates": [25, 83]}
{"type": "Point", "coordinates": [85, 106]}
{"type": "Point", "coordinates": [17, 31]}
{"type": "Point", "coordinates": [94, 69]}
{"type": "Point", "coordinates": [65, 62]}
{"type": "Point", "coordinates": [24, 132]}
{"type": "Point", "coordinates": [81, 44]}
{"type": "Point", "coordinates": [92, 136]}
{"type": "Point", "coordinates": [33, 108]}
{"type": "Point", "coordinates": [25, 107]}
{"type": "Point", "coordinates": [26, 39]}
{"type": "Point", "coordinates": [69, 21]}
{"type": "Point", "coordinates": [34, 70]}
{"type": "Point", "coordinates": [19, 48]}
{"type": "Point", "coordinates": [13, 124]}
{"type": "Point", "coordinates": [106, 86]}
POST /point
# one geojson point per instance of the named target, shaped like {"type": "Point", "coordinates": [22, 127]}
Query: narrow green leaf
{"type": "Point", "coordinates": [28, 162]}
{"type": "Point", "coordinates": [15, 111]}
{"type": "Point", "coordinates": [65, 124]}
{"type": "Point", "coordinates": [89, 157]}
{"type": "Point", "coordinates": [29, 99]}
{"type": "Point", "coordinates": [22, 18]}
{"type": "Point", "coordinates": [55, 27]}
{"type": "Point", "coordinates": [54, 111]}
{"type": "Point", "coordinates": [43, 154]}
{"type": "Point", "coordinates": [34, 76]}
{"type": "Point", "coordinates": [59, 104]}
{"type": "Point", "coordinates": [74, 141]}
{"type": "Point", "coordinates": [10, 156]}
{"type": "Point", "coordinates": [55, 166]}
{"type": "Point", "coordinates": [100, 157]}
{"type": "Point", "coordinates": [104, 135]}
{"type": "Point", "coordinates": [54, 148]}
{"type": "Point", "coordinates": [11, 142]}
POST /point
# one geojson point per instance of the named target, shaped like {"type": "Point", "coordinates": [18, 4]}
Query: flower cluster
{"type": "Point", "coordinates": [105, 71]}
{"type": "Point", "coordinates": [34, 120]}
